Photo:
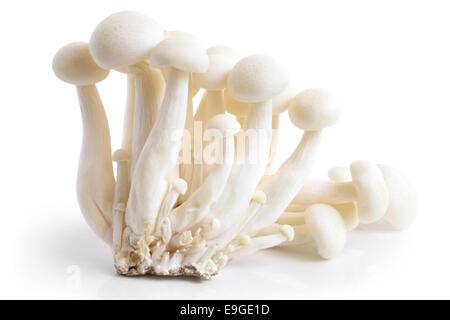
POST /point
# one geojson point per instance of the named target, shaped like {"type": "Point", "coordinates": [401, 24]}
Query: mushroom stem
{"type": "Point", "coordinates": [159, 156]}
{"type": "Point", "coordinates": [291, 176]}
{"type": "Point", "coordinates": [95, 181]}
{"type": "Point", "coordinates": [274, 144]}
{"type": "Point", "coordinates": [323, 191]}
{"type": "Point", "coordinates": [120, 196]}
{"type": "Point", "coordinates": [149, 93]}
{"type": "Point", "coordinates": [214, 103]}
{"type": "Point", "coordinates": [127, 138]}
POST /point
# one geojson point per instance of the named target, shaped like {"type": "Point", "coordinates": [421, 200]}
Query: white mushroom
{"type": "Point", "coordinates": [322, 111]}
{"type": "Point", "coordinates": [159, 155]}
{"type": "Point", "coordinates": [73, 63]}
{"type": "Point", "coordinates": [367, 188]}
{"type": "Point", "coordinates": [124, 41]}
{"type": "Point", "coordinates": [255, 79]}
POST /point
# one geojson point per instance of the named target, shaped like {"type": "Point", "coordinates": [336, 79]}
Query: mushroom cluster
{"type": "Point", "coordinates": [193, 190]}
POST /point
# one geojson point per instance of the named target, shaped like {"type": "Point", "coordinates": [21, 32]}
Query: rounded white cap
{"type": "Point", "coordinates": [325, 225]}
{"type": "Point", "coordinates": [339, 174]}
{"type": "Point", "coordinates": [402, 209]}
{"type": "Point", "coordinates": [314, 109]}
{"type": "Point", "coordinates": [257, 78]}
{"type": "Point", "coordinates": [73, 64]}
{"type": "Point", "coordinates": [221, 61]}
{"type": "Point", "coordinates": [373, 196]}
{"type": "Point", "coordinates": [225, 123]}
{"type": "Point", "coordinates": [124, 38]}
{"type": "Point", "coordinates": [120, 155]}
{"type": "Point", "coordinates": [186, 53]}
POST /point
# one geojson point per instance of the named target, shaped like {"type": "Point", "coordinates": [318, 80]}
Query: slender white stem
{"type": "Point", "coordinates": [323, 191]}
{"type": "Point", "coordinates": [274, 144]}
{"type": "Point", "coordinates": [127, 137]}
{"type": "Point", "coordinates": [159, 156]}
{"type": "Point", "coordinates": [95, 181]}
{"type": "Point", "coordinates": [149, 94]}
{"type": "Point", "coordinates": [120, 201]}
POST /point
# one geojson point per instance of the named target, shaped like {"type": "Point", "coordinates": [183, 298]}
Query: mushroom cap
{"type": "Point", "coordinates": [372, 192]}
{"type": "Point", "coordinates": [120, 155]}
{"type": "Point", "coordinates": [73, 63]}
{"type": "Point", "coordinates": [221, 61]}
{"type": "Point", "coordinates": [235, 107]}
{"type": "Point", "coordinates": [180, 185]}
{"type": "Point", "coordinates": [402, 208]}
{"type": "Point", "coordinates": [314, 109]}
{"type": "Point", "coordinates": [339, 174]}
{"type": "Point", "coordinates": [349, 214]}
{"type": "Point", "coordinates": [225, 123]}
{"type": "Point", "coordinates": [327, 228]}
{"type": "Point", "coordinates": [257, 78]}
{"type": "Point", "coordinates": [280, 103]}
{"type": "Point", "coordinates": [186, 53]}
{"type": "Point", "coordinates": [124, 38]}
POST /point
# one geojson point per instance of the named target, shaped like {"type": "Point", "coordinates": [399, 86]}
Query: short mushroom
{"type": "Point", "coordinates": [367, 188]}
{"type": "Point", "coordinates": [124, 41]}
{"type": "Point", "coordinates": [158, 158]}
{"type": "Point", "coordinates": [73, 64]}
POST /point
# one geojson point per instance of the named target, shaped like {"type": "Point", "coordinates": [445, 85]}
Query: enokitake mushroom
{"type": "Point", "coordinates": [254, 79]}
{"type": "Point", "coordinates": [158, 158]}
{"type": "Point", "coordinates": [124, 41]}
{"type": "Point", "coordinates": [312, 104]}
{"type": "Point", "coordinates": [73, 64]}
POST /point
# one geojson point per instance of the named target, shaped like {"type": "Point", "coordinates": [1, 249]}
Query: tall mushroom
{"type": "Point", "coordinates": [124, 41]}
{"type": "Point", "coordinates": [311, 110]}
{"type": "Point", "coordinates": [73, 64]}
{"type": "Point", "coordinates": [159, 155]}
{"type": "Point", "coordinates": [255, 79]}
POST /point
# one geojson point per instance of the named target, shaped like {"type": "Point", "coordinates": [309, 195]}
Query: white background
{"type": "Point", "coordinates": [389, 61]}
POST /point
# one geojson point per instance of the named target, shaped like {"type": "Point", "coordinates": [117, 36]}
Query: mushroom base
{"type": "Point", "coordinates": [188, 271]}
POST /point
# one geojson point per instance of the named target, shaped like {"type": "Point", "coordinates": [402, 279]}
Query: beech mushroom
{"type": "Point", "coordinates": [311, 110]}
{"type": "Point", "coordinates": [124, 41]}
{"type": "Point", "coordinates": [255, 79]}
{"type": "Point", "coordinates": [159, 155]}
{"type": "Point", "coordinates": [73, 64]}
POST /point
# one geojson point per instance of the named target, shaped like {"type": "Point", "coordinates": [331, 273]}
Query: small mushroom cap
{"type": "Point", "coordinates": [237, 108]}
{"type": "Point", "coordinates": [221, 61]}
{"type": "Point", "coordinates": [225, 123]}
{"type": "Point", "coordinates": [373, 196]}
{"type": "Point", "coordinates": [120, 155]}
{"type": "Point", "coordinates": [314, 109]}
{"type": "Point", "coordinates": [124, 38]}
{"type": "Point", "coordinates": [73, 64]}
{"type": "Point", "coordinates": [402, 209]}
{"type": "Point", "coordinates": [327, 228]}
{"type": "Point", "coordinates": [186, 53]}
{"type": "Point", "coordinates": [257, 78]}
{"type": "Point", "coordinates": [339, 174]}
{"type": "Point", "coordinates": [280, 103]}
{"type": "Point", "coordinates": [180, 185]}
